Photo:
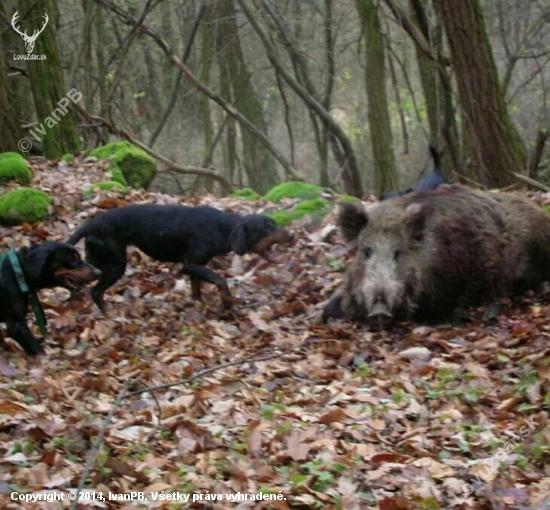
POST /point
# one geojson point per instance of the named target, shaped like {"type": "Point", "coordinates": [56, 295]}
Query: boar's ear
{"type": "Point", "coordinates": [351, 220]}
{"type": "Point", "coordinates": [415, 219]}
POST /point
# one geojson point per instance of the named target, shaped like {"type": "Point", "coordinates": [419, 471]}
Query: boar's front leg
{"type": "Point", "coordinates": [333, 310]}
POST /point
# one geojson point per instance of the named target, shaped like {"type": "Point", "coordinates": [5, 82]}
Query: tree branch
{"type": "Point", "coordinates": [177, 83]}
{"type": "Point", "coordinates": [173, 167]}
{"type": "Point", "coordinates": [414, 32]}
{"type": "Point", "coordinates": [239, 117]}
{"type": "Point", "coordinates": [350, 164]}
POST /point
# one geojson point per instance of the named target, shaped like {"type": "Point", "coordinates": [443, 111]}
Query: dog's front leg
{"type": "Point", "coordinates": [21, 333]}
{"type": "Point", "coordinates": [198, 273]}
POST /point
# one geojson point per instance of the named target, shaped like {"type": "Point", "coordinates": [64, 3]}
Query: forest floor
{"type": "Point", "coordinates": [448, 416]}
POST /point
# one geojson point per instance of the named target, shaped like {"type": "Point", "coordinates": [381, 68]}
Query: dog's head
{"type": "Point", "coordinates": [54, 264]}
{"type": "Point", "coordinates": [257, 233]}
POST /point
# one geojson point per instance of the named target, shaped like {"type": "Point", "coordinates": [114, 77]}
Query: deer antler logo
{"type": "Point", "coordinates": [29, 39]}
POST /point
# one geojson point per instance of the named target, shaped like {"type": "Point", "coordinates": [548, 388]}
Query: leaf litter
{"type": "Point", "coordinates": [329, 416]}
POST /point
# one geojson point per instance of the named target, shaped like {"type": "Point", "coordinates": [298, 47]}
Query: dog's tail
{"type": "Point", "coordinates": [78, 235]}
{"type": "Point", "coordinates": [436, 157]}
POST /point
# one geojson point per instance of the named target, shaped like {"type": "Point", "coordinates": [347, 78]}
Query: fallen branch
{"type": "Point", "coordinates": [123, 394]}
{"type": "Point", "coordinates": [174, 167]}
{"type": "Point", "coordinates": [209, 370]}
{"type": "Point", "coordinates": [531, 182]}
{"type": "Point", "coordinates": [468, 180]}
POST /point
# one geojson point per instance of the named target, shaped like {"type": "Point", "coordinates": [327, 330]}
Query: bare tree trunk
{"type": "Point", "coordinates": [9, 124]}
{"type": "Point", "coordinates": [230, 145]}
{"type": "Point", "coordinates": [385, 174]}
{"type": "Point", "coordinates": [329, 86]}
{"type": "Point", "coordinates": [496, 145]}
{"type": "Point", "coordinates": [46, 79]}
{"type": "Point", "coordinates": [258, 162]}
{"type": "Point", "coordinates": [428, 69]}
{"type": "Point", "coordinates": [436, 85]}
{"type": "Point", "coordinates": [206, 64]}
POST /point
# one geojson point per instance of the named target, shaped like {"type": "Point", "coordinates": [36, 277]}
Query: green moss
{"type": "Point", "coordinates": [4, 155]}
{"type": "Point", "coordinates": [316, 208]}
{"type": "Point", "coordinates": [116, 174]}
{"type": "Point", "coordinates": [103, 185]}
{"type": "Point", "coordinates": [136, 166]}
{"type": "Point", "coordinates": [24, 205]}
{"type": "Point", "coordinates": [246, 194]}
{"type": "Point", "coordinates": [109, 150]}
{"type": "Point", "coordinates": [348, 198]}
{"type": "Point", "coordinates": [293, 190]}
{"type": "Point", "coordinates": [316, 205]}
{"type": "Point", "coordinates": [14, 167]}
{"type": "Point", "coordinates": [282, 218]}
{"type": "Point", "coordinates": [69, 158]}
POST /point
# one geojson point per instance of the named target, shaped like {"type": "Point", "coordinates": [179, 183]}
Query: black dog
{"type": "Point", "coordinates": [431, 181]}
{"type": "Point", "coordinates": [435, 179]}
{"type": "Point", "coordinates": [174, 233]}
{"type": "Point", "coordinates": [41, 266]}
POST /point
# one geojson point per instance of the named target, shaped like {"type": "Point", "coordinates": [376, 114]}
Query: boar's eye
{"type": "Point", "coordinates": [396, 255]}
{"type": "Point", "coordinates": [367, 252]}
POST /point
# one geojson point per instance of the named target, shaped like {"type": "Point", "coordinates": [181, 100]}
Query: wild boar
{"type": "Point", "coordinates": [424, 254]}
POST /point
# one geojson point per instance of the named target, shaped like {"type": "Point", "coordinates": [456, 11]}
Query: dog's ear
{"type": "Point", "coordinates": [34, 260]}
{"type": "Point", "coordinates": [239, 244]}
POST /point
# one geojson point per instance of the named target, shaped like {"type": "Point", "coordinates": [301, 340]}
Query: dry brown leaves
{"type": "Point", "coordinates": [340, 418]}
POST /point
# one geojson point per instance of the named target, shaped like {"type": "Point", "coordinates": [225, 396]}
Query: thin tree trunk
{"type": "Point", "coordinates": [230, 146]}
{"type": "Point", "coordinates": [258, 162]}
{"type": "Point", "coordinates": [206, 65]}
{"type": "Point", "coordinates": [385, 175]}
{"type": "Point", "coordinates": [436, 85]}
{"type": "Point", "coordinates": [329, 87]}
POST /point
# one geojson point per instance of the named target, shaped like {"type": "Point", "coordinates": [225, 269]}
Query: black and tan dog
{"type": "Point", "coordinates": [174, 233]}
{"type": "Point", "coordinates": [27, 270]}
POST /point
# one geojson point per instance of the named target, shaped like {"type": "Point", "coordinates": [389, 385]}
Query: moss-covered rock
{"type": "Point", "coordinates": [105, 186]}
{"type": "Point", "coordinates": [116, 174]}
{"type": "Point", "coordinates": [134, 165]}
{"type": "Point", "coordinates": [24, 205]}
{"type": "Point", "coordinates": [13, 167]}
{"type": "Point", "coordinates": [246, 194]}
{"type": "Point", "coordinates": [316, 208]}
{"type": "Point", "coordinates": [4, 155]}
{"type": "Point", "coordinates": [293, 190]}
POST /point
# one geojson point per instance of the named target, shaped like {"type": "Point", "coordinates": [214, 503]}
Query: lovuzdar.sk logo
{"type": "Point", "coordinates": [29, 39]}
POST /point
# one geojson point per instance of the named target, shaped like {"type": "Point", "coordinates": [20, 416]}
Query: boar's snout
{"type": "Point", "coordinates": [380, 313]}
